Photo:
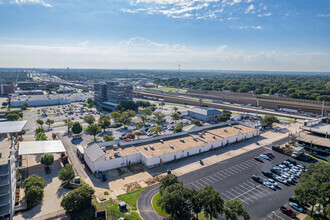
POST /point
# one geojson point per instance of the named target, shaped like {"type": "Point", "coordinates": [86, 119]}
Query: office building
{"type": "Point", "coordinates": [6, 89]}
{"type": "Point", "coordinates": [204, 114]}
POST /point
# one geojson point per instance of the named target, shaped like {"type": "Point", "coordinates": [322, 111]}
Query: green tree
{"type": "Point", "coordinates": [159, 117]}
{"type": "Point", "coordinates": [125, 118]}
{"type": "Point", "coordinates": [25, 106]}
{"type": "Point", "coordinates": [119, 108]}
{"type": "Point", "coordinates": [225, 116]}
{"type": "Point", "coordinates": [153, 107]}
{"type": "Point", "coordinates": [66, 174]}
{"type": "Point", "coordinates": [108, 138]}
{"type": "Point", "coordinates": [178, 128]}
{"type": "Point", "coordinates": [157, 129]}
{"type": "Point", "coordinates": [175, 109]}
{"type": "Point", "coordinates": [94, 130]}
{"type": "Point", "coordinates": [33, 188]}
{"type": "Point", "coordinates": [128, 105]}
{"type": "Point", "coordinates": [212, 202]}
{"type": "Point", "coordinates": [139, 124]}
{"type": "Point", "coordinates": [175, 116]}
{"type": "Point", "coordinates": [49, 122]}
{"type": "Point", "coordinates": [47, 159]}
{"type": "Point", "coordinates": [40, 130]}
{"type": "Point", "coordinates": [33, 180]}
{"type": "Point", "coordinates": [78, 200]}
{"type": "Point", "coordinates": [233, 209]}
{"type": "Point", "coordinates": [104, 122]}
{"type": "Point", "coordinates": [40, 122]}
{"type": "Point", "coordinates": [41, 136]}
{"type": "Point", "coordinates": [89, 101]}
{"type": "Point", "coordinates": [68, 123]}
{"type": "Point", "coordinates": [269, 120]}
{"type": "Point", "coordinates": [175, 201]}
{"type": "Point", "coordinates": [12, 117]}
{"type": "Point", "coordinates": [144, 113]}
{"type": "Point", "coordinates": [89, 119]}
{"type": "Point", "coordinates": [167, 181]}
{"type": "Point", "coordinates": [76, 128]}
{"type": "Point", "coordinates": [131, 113]}
{"type": "Point", "coordinates": [138, 134]}
{"type": "Point", "coordinates": [115, 115]}
{"type": "Point", "coordinates": [196, 122]}
{"type": "Point", "coordinates": [131, 136]}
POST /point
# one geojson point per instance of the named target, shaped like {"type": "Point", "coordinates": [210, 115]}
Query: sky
{"type": "Point", "coordinates": [269, 35]}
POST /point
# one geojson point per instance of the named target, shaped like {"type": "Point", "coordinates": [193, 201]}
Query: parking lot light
{"type": "Point", "coordinates": [273, 214]}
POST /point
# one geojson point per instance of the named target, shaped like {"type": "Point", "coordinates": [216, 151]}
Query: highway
{"type": "Point", "coordinates": [182, 100]}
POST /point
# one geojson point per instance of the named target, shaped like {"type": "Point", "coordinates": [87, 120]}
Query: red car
{"type": "Point", "coordinates": [258, 159]}
{"type": "Point", "coordinates": [288, 212]}
{"type": "Point", "coordinates": [271, 154]}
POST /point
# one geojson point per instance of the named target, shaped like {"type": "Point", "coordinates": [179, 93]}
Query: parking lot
{"type": "Point", "coordinates": [232, 179]}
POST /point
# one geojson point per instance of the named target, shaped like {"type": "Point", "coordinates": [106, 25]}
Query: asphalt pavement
{"type": "Point", "coordinates": [232, 179]}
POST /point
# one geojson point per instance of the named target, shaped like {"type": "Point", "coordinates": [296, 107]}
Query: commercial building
{"type": "Point", "coordinates": [204, 114]}
{"type": "Point", "coordinates": [112, 92]}
{"type": "Point", "coordinates": [315, 137]}
{"type": "Point", "coordinates": [7, 179]}
{"type": "Point", "coordinates": [163, 149]}
{"type": "Point", "coordinates": [28, 85]}
{"type": "Point", "coordinates": [50, 99]}
{"type": "Point", "coordinates": [6, 89]}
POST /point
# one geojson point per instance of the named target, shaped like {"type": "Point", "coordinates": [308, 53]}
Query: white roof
{"type": "Point", "coordinates": [12, 126]}
{"type": "Point", "coordinates": [40, 147]}
{"type": "Point", "coordinates": [94, 152]}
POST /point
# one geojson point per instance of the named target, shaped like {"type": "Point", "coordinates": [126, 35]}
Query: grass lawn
{"type": "Point", "coordinates": [131, 197]}
{"type": "Point", "coordinates": [169, 89]}
{"type": "Point", "coordinates": [157, 208]}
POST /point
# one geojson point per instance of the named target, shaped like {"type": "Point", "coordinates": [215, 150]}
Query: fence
{"type": "Point", "coordinates": [57, 214]}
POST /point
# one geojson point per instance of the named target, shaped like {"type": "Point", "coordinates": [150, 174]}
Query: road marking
{"type": "Point", "coordinates": [214, 179]}
{"type": "Point", "coordinates": [245, 196]}
{"type": "Point", "coordinates": [244, 166]}
{"type": "Point", "coordinates": [199, 183]}
{"type": "Point", "coordinates": [230, 172]}
{"type": "Point", "coordinates": [236, 168]}
{"type": "Point", "coordinates": [208, 179]}
{"type": "Point", "coordinates": [279, 216]}
{"type": "Point", "coordinates": [195, 186]}
{"type": "Point", "coordinates": [226, 174]}
{"type": "Point", "coordinates": [204, 182]}
{"type": "Point", "coordinates": [216, 175]}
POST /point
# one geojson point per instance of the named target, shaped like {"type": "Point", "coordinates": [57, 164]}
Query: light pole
{"type": "Point", "coordinates": [273, 214]}
{"type": "Point", "coordinates": [179, 77]}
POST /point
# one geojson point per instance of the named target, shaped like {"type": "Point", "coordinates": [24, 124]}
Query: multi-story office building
{"type": "Point", "coordinates": [112, 92]}
{"type": "Point", "coordinates": [6, 89]}
{"type": "Point", "coordinates": [7, 179]}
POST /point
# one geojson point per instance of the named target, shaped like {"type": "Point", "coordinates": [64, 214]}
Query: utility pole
{"type": "Point", "coordinates": [179, 77]}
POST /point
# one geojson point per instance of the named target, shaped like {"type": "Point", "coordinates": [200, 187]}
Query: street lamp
{"type": "Point", "coordinates": [273, 214]}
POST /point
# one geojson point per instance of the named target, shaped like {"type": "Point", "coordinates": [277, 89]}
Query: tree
{"type": "Point", "coordinates": [33, 188]}
{"type": "Point", "coordinates": [49, 122]}
{"type": "Point", "coordinates": [175, 201]}
{"type": "Point", "coordinates": [108, 138]}
{"type": "Point", "coordinates": [119, 108]}
{"type": "Point", "coordinates": [153, 107]}
{"type": "Point", "coordinates": [268, 120]}
{"type": "Point", "coordinates": [125, 118]}
{"type": "Point", "coordinates": [167, 181]}
{"type": "Point", "coordinates": [47, 159]}
{"type": "Point", "coordinates": [40, 130]}
{"type": "Point", "coordinates": [159, 117]}
{"type": "Point", "coordinates": [4, 104]}
{"type": "Point", "coordinates": [131, 136]}
{"type": "Point", "coordinates": [104, 121]}
{"type": "Point", "coordinates": [115, 115]}
{"type": "Point", "coordinates": [94, 130]}
{"type": "Point", "coordinates": [66, 174]}
{"type": "Point", "coordinates": [175, 109]}
{"type": "Point", "coordinates": [196, 122]}
{"type": "Point", "coordinates": [89, 101]}
{"type": "Point", "coordinates": [138, 134]}
{"type": "Point", "coordinates": [157, 129]}
{"type": "Point", "coordinates": [76, 127]}
{"type": "Point", "coordinates": [234, 208]}
{"type": "Point", "coordinates": [139, 124]}
{"type": "Point", "coordinates": [225, 116]}
{"type": "Point", "coordinates": [144, 113]}
{"type": "Point", "coordinates": [12, 117]}
{"type": "Point", "coordinates": [89, 119]}
{"type": "Point", "coordinates": [78, 200]}
{"type": "Point", "coordinates": [178, 128]}
{"type": "Point", "coordinates": [68, 123]}
{"type": "Point", "coordinates": [129, 105]}
{"type": "Point", "coordinates": [40, 122]}
{"type": "Point", "coordinates": [41, 136]}
{"type": "Point", "coordinates": [175, 116]}
{"type": "Point", "coordinates": [33, 180]}
{"type": "Point", "coordinates": [131, 113]}
{"type": "Point", "coordinates": [25, 106]}
{"type": "Point", "coordinates": [212, 202]}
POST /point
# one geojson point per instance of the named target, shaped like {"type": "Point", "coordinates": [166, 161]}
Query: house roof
{"type": "Point", "coordinates": [94, 152]}
{"type": "Point", "coordinates": [40, 147]}
{"type": "Point", "coordinates": [12, 126]}
{"type": "Point", "coordinates": [206, 111]}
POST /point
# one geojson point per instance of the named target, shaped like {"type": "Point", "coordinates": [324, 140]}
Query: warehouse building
{"type": "Point", "coordinates": [50, 99]}
{"type": "Point", "coordinates": [204, 114]}
{"type": "Point", "coordinates": [163, 149]}
{"type": "Point", "coordinates": [112, 92]}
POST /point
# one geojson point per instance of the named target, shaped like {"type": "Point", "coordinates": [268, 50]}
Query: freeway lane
{"type": "Point", "coordinates": [232, 179]}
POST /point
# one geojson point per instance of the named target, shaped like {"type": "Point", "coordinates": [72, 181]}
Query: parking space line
{"type": "Point", "coordinates": [216, 175]}
{"type": "Point", "coordinates": [195, 186]}
{"type": "Point", "coordinates": [228, 175]}
{"type": "Point", "coordinates": [246, 196]}
{"type": "Point", "coordinates": [244, 166]}
{"type": "Point", "coordinates": [278, 216]}
{"type": "Point", "coordinates": [230, 172]}
{"type": "Point", "coordinates": [199, 184]}
{"type": "Point", "coordinates": [208, 179]}
{"type": "Point", "coordinates": [249, 163]}
{"type": "Point", "coordinates": [214, 179]}
{"type": "Point", "coordinates": [231, 194]}
{"type": "Point", "coordinates": [237, 169]}
{"type": "Point", "coordinates": [204, 182]}
{"type": "Point", "coordinates": [223, 194]}
{"type": "Point", "coordinates": [263, 191]}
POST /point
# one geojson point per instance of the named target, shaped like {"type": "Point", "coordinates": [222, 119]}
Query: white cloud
{"type": "Point", "coordinates": [39, 2]}
{"type": "Point", "coordinates": [139, 52]}
{"type": "Point", "coordinates": [324, 15]}
{"type": "Point", "coordinates": [249, 9]}
{"type": "Point", "coordinates": [265, 14]}
{"type": "Point", "coordinates": [250, 27]}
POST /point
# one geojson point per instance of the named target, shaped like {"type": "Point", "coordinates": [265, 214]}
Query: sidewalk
{"type": "Point", "coordinates": [191, 164]}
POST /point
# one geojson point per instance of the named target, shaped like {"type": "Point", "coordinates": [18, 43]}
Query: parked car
{"type": "Point", "coordinates": [292, 199]}
{"type": "Point", "coordinates": [281, 180]}
{"type": "Point", "coordinates": [268, 174]}
{"type": "Point", "coordinates": [269, 155]}
{"type": "Point", "coordinates": [269, 185]}
{"type": "Point", "coordinates": [273, 182]}
{"type": "Point", "coordinates": [257, 179]}
{"type": "Point", "coordinates": [292, 161]}
{"type": "Point", "coordinates": [288, 212]}
{"type": "Point", "coordinates": [264, 156]}
{"type": "Point", "coordinates": [258, 159]}
{"type": "Point", "coordinates": [296, 207]}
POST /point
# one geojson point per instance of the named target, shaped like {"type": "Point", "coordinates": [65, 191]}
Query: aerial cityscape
{"type": "Point", "coordinates": [165, 109]}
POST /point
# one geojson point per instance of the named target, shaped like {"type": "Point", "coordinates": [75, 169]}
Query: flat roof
{"type": "Point", "coordinates": [12, 126]}
{"type": "Point", "coordinates": [48, 96]}
{"type": "Point", "coordinates": [321, 128]}
{"type": "Point", "coordinates": [308, 138]}
{"type": "Point", "coordinates": [40, 147]}
{"type": "Point", "coordinates": [123, 151]}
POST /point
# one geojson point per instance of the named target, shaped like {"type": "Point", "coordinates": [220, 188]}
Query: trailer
{"type": "Point", "coordinates": [80, 152]}
{"type": "Point", "coordinates": [288, 110]}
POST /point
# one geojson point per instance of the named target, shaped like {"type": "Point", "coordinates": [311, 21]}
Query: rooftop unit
{"type": "Point", "coordinates": [116, 154]}
{"type": "Point", "coordinates": [151, 147]}
{"type": "Point", "coordinates": [146, 147]}
{"type": "Point", "coordinates": [171, 146]}
{"type": "Point", "coordinates": [182, 140]}
{"type": "Point", "coordinates": [162, 141]}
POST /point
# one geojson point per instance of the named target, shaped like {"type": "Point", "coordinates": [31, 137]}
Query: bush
{"type": "Point", "coordinates": [40, 130]}
{"type": "Point", "coordinates": [66, 173]}
{"type": "Point", "coordinates": [106, 193]}
{"type": "Point", "coordinates": [108, 138]}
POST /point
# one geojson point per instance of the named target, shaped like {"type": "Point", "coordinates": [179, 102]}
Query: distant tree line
{"type": "Point", "coordinates": [313, 87]}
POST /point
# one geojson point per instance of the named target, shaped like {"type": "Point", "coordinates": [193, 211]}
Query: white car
{"type": "Point", "coordinates": [295, 173]}
{"type": "Point", "coordinates": [302, 168]}
{"type": "Point", "coordinates": [269, 185]}
{"type": "Point", "coordinates": [272, 182]}
{"type": "Point", "coordinates": [281, 180]}
{"type": "Point", "coordinates": [264, 156]}
{"type": "Point", "coordinates": [287, 178]}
